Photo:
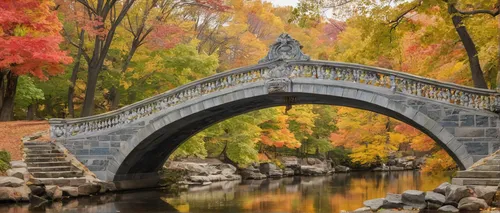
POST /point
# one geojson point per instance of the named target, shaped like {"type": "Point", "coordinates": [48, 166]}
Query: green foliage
{"type": "Point", "coordinates": [4, 160]}
{"type": "Point", "coordinates": [27, 92]}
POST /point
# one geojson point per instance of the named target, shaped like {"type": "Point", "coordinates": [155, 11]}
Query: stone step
{"type": "Point", "coordinates": [35, 148]}
{"type": "Point", "coordinates": [42, 151]}
{"type": "Point", "coordinates": [50, 163]}
{"type": "Point", "coordinates": [58, 174]}
{"type": "Point", "coordinates": [35, 143]}
{"type": "Point", "coordinates": [486, 167]}
{"type": "Point", "coordinates": [478, 174]}
{"type": "Point", "coordinates": [38, 155]}
{"type": "Point", "coordinates": [50, 169]}
{"type": "Point", "coordinates": [476, 181]}
{"type": "Point", "coordinates": [60, 181]}
{"type": "Point", "coordinates": [44, 159]}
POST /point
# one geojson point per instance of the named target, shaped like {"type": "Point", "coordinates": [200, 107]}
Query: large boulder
{"type": "Point", "coordinates": [486, 193]}
{"type": "Point", "coordinates": [340, 168]}
{"type": "Point", "coordinates": [70, 191]}
{"type": "Point", "coordinates": [311, 170]}
{"type": "Point", "coordinates": [448, 208]}
{"type": "Point", "coordinates": [374, 204]}
{"type": "Point", "coordinates": [38, 190]}
{"type": "Point", "coordinates": [200, 179]}
{"type": "Point", "coordinates": [393, 201]}
{"type": "Point", "coordinates": [277, 173]}
{"type": "Point", "coordinates": [193, 168]}
{"type": "Point", "coordinates": [455, 193]}
{"type": "Point", "coordinates": [472, 204]}
{"type": "Point", "coordinates": [414, 198]}
{"type": "Point", "coordinates": [290, 162]}
{"type": "Point", "coordinates": [288, 172]}
{"type": "Point", "coordinates": [441, 189]}
{"type": "Point", "coordinates": [10, 181]}
{"type": "Point", "coordinates": [252, 173]}
{"type": "Point", "coordinates": [18, 164]}
{"type": "Point", "coordinates": [21, 173]}
{"type": "Point", "coordinates": [53, 192]}
{"type": "Point", "coordinates": [20, 193]}
{"type": "Point", "coordinates": [88, 189]}
{"type": "Point", "coordinates": [266, 168]}
{"type": "Point", "coordinates": [434, 200]}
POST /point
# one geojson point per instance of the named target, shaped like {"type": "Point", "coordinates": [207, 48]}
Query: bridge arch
{"type": "Point", "coordinates": [132, 143]}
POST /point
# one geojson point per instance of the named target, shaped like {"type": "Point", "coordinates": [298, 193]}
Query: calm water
{"type": "Point", "coordinates": [295, 194]}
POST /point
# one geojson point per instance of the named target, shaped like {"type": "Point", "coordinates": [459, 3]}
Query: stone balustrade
{"type": "Point", "coordinates": [397, 82]}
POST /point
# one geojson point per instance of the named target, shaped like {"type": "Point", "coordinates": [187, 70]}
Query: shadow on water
{"type": "Point", "coordinates": [344, 191]}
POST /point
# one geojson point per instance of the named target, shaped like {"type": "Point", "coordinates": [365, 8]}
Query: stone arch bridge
{"type": "Point", "coordinates": [131, 144]}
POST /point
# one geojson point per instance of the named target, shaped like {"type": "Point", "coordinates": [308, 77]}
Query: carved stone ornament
{"type": "Point", "coordinates": [280, 70]}
{"type": "Point", "coordinates": [285, 48]}
{"type": "Point", "coordinates": [276, 85]}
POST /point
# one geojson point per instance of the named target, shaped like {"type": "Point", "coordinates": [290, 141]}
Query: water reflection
{"type": "Point", "coordinates": [301, 194]}
{"type": "Point", "coordinates": [294, 194]}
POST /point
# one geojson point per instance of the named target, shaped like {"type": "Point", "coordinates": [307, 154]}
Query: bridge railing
{"type": "Point", "coordinates": [398, 82]}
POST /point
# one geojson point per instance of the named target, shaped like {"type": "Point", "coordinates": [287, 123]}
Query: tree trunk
{"type": "Point", "coordinates": [114, 92]}
{"type": "Point", "coordinates": [74, 76]}
{"type": "Point", "coordinates": [7, 110]}
{"type": "Point", "coordinates": [30, 115]}
{"type": "Point", "coordinates": [48, 107]}
{"type": "Point", "coordinates": [3, 74]}
{"type": "Point", "coordinates": [470, 47]}
{"type": "Point", "coordinates": [88, 102]}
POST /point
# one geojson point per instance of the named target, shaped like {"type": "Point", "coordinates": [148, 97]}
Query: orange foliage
{"type": "Point", "coordinates": [438, 162]}
{"type": "Point", "coordinates": [29, 38]}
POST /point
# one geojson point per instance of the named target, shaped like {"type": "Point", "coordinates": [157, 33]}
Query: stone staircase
{"type": "Point", "coordinates": [485, 172]}
{"type": "Point", "coordinates": [48, 165]}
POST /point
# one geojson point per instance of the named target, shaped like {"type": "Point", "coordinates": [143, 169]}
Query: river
{"type": "Point", "coordinates": [294, 194]}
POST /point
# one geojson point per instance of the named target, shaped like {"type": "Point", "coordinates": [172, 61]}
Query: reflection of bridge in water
{"type": "Point", "coordinates": [132, 143]}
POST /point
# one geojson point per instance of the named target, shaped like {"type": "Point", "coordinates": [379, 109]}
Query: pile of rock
{"type": "Point", "coordinates": [445, 198]}
{"type": "Point", "coordinates": [13, 189]}
{"type": "Point", "coordinates": [204, 173]}
{"type": "Point", "coordinates": [401, 164]}
{"type": "Point", "coordinates": [252, 172]}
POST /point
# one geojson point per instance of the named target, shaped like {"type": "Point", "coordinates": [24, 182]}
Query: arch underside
{"type": "Point", "coordinates": [153, 149]}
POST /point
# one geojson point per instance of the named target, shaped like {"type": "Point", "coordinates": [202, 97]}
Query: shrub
{"type": "Point", "coordinates": [4, 160]}
{"type": "Point", "coordinates": [4, 156]}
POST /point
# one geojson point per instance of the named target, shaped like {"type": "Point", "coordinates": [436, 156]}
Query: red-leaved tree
{"type": "Point", "coordinates": [29, 45]}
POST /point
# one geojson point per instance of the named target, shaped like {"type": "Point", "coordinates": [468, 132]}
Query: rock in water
{"type": "Point", "coordinates": [486, 193]}
{"type": "Point", "coordinates": [448, 208]}
{"type": "Point", "coordinates": [88, 189]}
{"type": "Point", "coordinates": [434, 200]}
{"type": "Point", "coordinates": [393, 201]}
{"type": "Point", "coordinates": [455, 193]}
{"type": "Point", "coordinates": [10, 181]}
{"type": "Point", "coordinates": [374, 204]}
{"type": "Point", "coordinates": [20, 193]}
{"type": "Point", "coordinates": [38, 190]}
{"type": "Point", "coordinates": [53, 192]}
{"type": "Point", "coordinates": [441, 189]}
{"type": "Point", "coordinates": [70, 191]}
{"type": "Point", "coordinates": [414, 198]}
{"type": "Point", "coordinates": [363, 210]}
{"type": "Point", "coordinates": [472, 204]}
{"type": "Point", "coordinates": [342, 168]}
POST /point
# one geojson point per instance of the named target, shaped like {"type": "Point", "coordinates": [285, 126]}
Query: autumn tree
{"type": "Point", "coordinates": [29, 45]}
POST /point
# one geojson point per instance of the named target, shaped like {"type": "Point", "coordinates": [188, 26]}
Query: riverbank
{"type": "Point", "coordinates": [444, 198]}
{"type": "Point", "coordinates": [194, 171]}
{"type": "Point", "coordinates": [319, 194]}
